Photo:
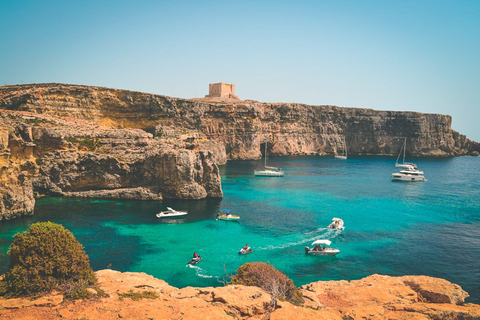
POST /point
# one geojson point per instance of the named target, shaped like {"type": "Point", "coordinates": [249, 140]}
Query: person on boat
{"type": "Point", "coordinates": [195, 255]}
{"type": "Point", "coordinates": [246, 248]}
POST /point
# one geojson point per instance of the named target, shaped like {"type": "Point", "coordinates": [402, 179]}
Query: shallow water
{"type": "Point", "coordinates": [392, 228]}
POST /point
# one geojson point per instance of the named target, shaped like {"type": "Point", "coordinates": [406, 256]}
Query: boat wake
{"type": "Point", "coordinates": [312, 236]}
{"type": "Point", "coordinates": [200, 272]}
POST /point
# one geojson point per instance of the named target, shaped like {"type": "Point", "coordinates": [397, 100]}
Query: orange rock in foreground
{"type": "Point", "coordinates": [374, 297]}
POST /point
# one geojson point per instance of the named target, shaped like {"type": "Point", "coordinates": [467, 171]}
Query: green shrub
{"type": "Point", "coordinates": [135, 296]}
{"type": "Point", "coordinates": [45, 257]}
{"type": "Point", "coordinates": [77, 291]}
{"type": "Point", "coordinates": [273, 281]}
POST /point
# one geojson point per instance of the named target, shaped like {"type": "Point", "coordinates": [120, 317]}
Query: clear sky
{"type": "Point", "coordinates": [388, 55]}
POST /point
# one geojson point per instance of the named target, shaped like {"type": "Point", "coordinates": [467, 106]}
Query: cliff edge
{"type": "Point", "coordinates": [374, 297]}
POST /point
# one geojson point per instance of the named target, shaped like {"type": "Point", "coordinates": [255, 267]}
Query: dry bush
{"type": "Point", "coordinates": [273, 281]}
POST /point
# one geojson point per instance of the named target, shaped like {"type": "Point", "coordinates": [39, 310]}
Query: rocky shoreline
{"type": "Point", "coordinates": [373, 297]}
{"type": "Point", "coordinates": [81, 141]}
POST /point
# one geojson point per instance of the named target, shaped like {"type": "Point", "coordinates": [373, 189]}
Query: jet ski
{"type": "Point", "coordinates": [194, 261]}
{"type": "Point", "coordinates": [243, 251]}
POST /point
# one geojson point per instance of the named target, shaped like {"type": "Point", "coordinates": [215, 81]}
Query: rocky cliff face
{"type": "Point", "coordinates": [45, 155]}
{"type": "Point", "coordinates": [241, 128]}
{"type": "Point", "coordinates": [374, 297]}
{"type": "Point", "coordinates": [85, 141]}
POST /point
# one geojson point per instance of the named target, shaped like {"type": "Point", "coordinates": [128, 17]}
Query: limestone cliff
{"type": "Point", "coordinates": [45, 155]}
{"type": "Point", "coordinates": [374, 297]}
{"type": "Point", "coordinates": [291, 129]}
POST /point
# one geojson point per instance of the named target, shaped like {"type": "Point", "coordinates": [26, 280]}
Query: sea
{"type": "Point", "coordinates": [391, 228]}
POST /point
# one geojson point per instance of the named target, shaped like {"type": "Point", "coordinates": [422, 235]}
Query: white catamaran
{"type": "Point", "coordinates": [269, 171]}
{"type": "Point", "coordinates": [404, 164]}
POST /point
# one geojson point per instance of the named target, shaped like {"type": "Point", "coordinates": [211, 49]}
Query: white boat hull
{"type": "Point", "coordinates": [341, 157]}
{"type": "Point", "coordinates": [269, 173]}
{"type": "Point", "coordinates": [407, 177]}
{"type": "Point", "coordinates": [171, 215]}
{"type": "Point", "coordinates": [326, 252]}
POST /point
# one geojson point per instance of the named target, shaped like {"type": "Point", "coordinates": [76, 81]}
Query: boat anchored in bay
{"type": "Point", "coordinates": [409, 174]}
{"type": "Point", "coordinates": [404, 164]}
{"type": "Point", "coordinates": [269, 171]}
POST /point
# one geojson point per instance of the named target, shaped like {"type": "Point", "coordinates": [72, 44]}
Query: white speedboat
{"type": "Point", "coordinates": [228, 216]}
{"type": "Point", "coordinates": [337, 224]}
{"type": "Point", "coordinates": [171, 213]}
{"type": "Point", "coordinates": [409, 174]}
{"type": "Point", "coordinates": [269, 171]}
{"type": "Point", "coordinates": [318, 250]}
{"type": "Point", "coordinates": [404, 164]}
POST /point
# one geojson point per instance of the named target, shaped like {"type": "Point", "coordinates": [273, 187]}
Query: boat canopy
{"type": "Point", "coordinates": [337, 219]}
{"type": "Point", "coordinates": [327, 242]}
{"type": "Point", "coordinates": [170, 209]}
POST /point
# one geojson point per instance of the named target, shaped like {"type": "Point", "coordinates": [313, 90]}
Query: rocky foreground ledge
{"type": "Point", "coordinates": [374, 297]}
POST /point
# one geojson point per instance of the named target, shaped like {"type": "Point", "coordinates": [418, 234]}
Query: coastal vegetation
{"type": "Point", "coordinates": [136, 296]}
{"type": "Point", "coordinates": [45, 257]}
{"type": "Point", "coordinates": [273, 281]}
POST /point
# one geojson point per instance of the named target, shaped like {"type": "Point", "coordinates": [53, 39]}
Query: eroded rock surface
{"type": "Point", "coordinates": [374, 297]}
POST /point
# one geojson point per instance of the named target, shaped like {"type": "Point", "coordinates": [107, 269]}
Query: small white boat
{"type": "Point", "coordinates": [269, 171]}
{"type": "Point", "coordinates": [337, 224]}
{"type": "Point", "coordinates": [318, 250]}
{"type": "Point", "coordinates": [404, 164]}
{"type": "Point", "coordinates": [171, 213]}
{"type": "Point", "coordinates": [228, 216]}
{"type": "Point", "coordinates": [409, 174]}
{"type": "Point", "coordinates": [344, 156]}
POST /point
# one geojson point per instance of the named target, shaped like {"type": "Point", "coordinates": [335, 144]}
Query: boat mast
{"type": "Point", "coordinates": [345, 146]}
{"type": "Point", "coordinates": [398, 157]}
{"type": "Point", "coordinates": [266, 140]}
{"type": "Point", "coordinates": [404, 147]}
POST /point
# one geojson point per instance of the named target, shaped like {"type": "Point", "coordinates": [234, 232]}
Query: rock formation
{"type": "Point", "coordinates": [45, 155]}
{"type": "Point", "coordinates": [374, 297]}
{"type": "Point", "coordinates": [72, 140]}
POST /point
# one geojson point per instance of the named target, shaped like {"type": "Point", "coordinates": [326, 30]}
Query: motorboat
{"type": "Point", "coordinates": [243, 251]}
{"type": "Point", "coordinates": [269, 171]}
{"type": "Point", "coordinates": [228, 216]}
{"type": "Point", "coordinates": [409, 174]}
{"type": "Point", "coordinates": [318, 250]}
{"type": "Point", "coordinates": [337, 224]}
{"type": "Point", "coordinates": [171, 213]}
{"type": "Point", "coordinates": [344, 155]}
{"type": "Point", "coordinates": [404, 164]}
{"type": "Point", "coordinates": [196, 260]}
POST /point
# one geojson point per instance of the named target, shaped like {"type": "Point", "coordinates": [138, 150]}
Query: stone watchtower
{"type": "Point", "coordinates": [222, 90]}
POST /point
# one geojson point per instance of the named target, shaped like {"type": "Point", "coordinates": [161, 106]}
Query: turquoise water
{"type": "Point", "coordinates": [392, 228]}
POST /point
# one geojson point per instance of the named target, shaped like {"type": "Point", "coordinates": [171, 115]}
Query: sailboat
{"type": "Point", "coordinates": [344, 156]}
{"type": "Point", "coordinates": [269, 171]}
{"type": "Point", "coordinates": [404, 164]}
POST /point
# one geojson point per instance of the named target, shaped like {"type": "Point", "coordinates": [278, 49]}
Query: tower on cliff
{"type": "Point", "coordinates": [222, 90]}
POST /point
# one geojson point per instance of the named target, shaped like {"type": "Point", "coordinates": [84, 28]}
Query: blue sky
{"type": "Point", "coordinates": [387, 55]}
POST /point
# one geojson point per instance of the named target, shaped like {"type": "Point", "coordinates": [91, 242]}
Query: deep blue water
{"type": "Point", "coordinates": [394, 228]}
